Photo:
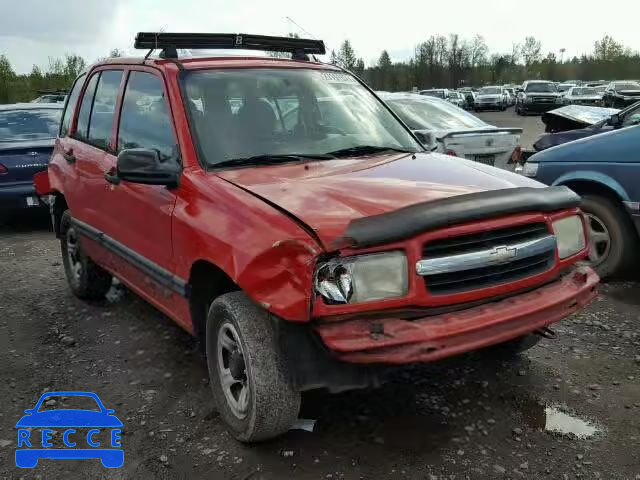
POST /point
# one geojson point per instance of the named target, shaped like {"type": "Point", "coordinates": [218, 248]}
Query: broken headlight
{"type": "Point", "coordinates": [569, 236]}
{"type": "Point", "coordinates": [362, 278]}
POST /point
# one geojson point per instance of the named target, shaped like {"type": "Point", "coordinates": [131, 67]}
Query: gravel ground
{"type": "Point", "coordinates": [468, 418]}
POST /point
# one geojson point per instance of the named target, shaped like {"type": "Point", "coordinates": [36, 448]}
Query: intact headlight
{"type": "Point", "coordinates": [569, 233]}
{"type": "Point", "coordinates": [530, 169]}
{"type": "Point", "coordinates": [363, 278]}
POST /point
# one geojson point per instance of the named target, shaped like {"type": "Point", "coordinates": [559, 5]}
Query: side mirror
{"type": "Point", "coordinates": [614, 120]}
{"type": "Point", "coordinates": [143, 165]}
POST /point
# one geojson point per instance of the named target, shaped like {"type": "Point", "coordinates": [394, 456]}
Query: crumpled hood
{"type": "Point", "coordinates": [327, 195]}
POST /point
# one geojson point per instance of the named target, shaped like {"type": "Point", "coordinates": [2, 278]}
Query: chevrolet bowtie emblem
{"type": "Point", "coordinates": [503, 254]}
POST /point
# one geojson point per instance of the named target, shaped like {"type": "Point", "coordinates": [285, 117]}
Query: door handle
{"type": "Point", "coordinates": [69, 156]}
{"type": "Point", "coordinates": [112, 177]}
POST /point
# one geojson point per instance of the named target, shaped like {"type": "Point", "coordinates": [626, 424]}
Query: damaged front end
{"type": "Point", "coordinates": [441, 278]}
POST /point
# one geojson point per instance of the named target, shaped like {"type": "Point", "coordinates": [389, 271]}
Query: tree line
{"type": "Point", "coordinates": [454, 62]}
{"type": "Point", "coordinates": [439, 61]}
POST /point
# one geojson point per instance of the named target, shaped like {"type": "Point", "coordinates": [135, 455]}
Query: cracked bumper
{"type": "Point", "coordinates": [399, 341]}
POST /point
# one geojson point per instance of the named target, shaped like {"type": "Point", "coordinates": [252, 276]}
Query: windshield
{"type": "Point", "coordinates": [583, 91]}
{"type": "Point", "coordinates": [433, 93]}
{"type": "Point", "coordinates": [541, 88]}
{"type": "Point", "coordinates": [627, 86]}
{"type": "Point", "coordinates": [244, 113]}
{"type": "Point", "coordinates": [490, 91]}
{"type": "Point", "coordinates": [429, 115]}
{"type": "Point", "coordinates": [564, 88]}
{"type": "Point", "coordinates": [23, 125]}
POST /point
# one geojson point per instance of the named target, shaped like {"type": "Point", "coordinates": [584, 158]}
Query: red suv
{"type": "Point", "coordinates": [280, 212]}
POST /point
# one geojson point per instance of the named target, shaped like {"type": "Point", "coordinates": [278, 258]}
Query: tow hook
{"type": "Point", "coordinates": [546, 332]}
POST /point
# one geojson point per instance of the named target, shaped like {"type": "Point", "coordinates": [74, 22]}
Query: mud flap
{"type": "Point", "coordinates": [311, 366]}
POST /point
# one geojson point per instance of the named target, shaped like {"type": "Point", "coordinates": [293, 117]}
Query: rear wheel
{"type": "Point", "coordinates": [251, 387]}
{"type": "Point", "coordinates": [87, 280]}
{"type": "Point", "coordinates": [612, 236]}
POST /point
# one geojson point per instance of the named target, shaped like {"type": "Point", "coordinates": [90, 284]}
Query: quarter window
{"type": "Point", "coordinates": [71, 106]}
{"type": "Point", "coordinates": [145, 121]}
{"type": "Point", "coordinates": [85, 108]}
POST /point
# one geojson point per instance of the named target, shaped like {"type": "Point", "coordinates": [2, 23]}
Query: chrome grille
{"type": "Point", "coordinates": [486, 259]}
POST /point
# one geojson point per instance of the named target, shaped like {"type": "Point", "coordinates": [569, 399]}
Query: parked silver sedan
{"type": "Point", "coordinates": [448, 129]}
{"type": "Point", "coordinates": [583, 96]}
{"type": "Point", "coordinates": [492, 98]}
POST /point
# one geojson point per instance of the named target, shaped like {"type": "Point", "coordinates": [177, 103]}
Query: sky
{"type": "Point", "coordinates": [31, 31]}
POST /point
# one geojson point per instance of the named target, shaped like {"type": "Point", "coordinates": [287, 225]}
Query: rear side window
{"type": "Point", "coordinates": [70, 108]}
{"type": "Point", "coordinates": [145, 121]}
{"type": "Point", "coordinates": [85, 108]}
{"type": "Point", "coordinates": [104, 106]}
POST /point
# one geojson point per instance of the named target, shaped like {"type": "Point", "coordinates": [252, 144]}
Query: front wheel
{"type": "Point", "coordinates": [612, 236]}
{"type": "Point", "coordinates": [249, 377]}
{"type": "Point", "coordinates": [87, 280]}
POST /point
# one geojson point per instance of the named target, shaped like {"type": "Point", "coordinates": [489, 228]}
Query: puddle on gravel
{"type": "Point", "coordinates": [554, 420]}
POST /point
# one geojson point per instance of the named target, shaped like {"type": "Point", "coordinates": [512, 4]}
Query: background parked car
{"type": "Point", "coordinates": [447, 129]}
{"type": "Point", "coordinates": [27, 133]}
{"type": "Point", "coordinates": [457, 99]}
{"type": "Point", "coordinates": [571, 123]}
{"type": "Point", "coordinates": [582, 96]}
{"type": "Point", "coordinates": [537, 96]}
{"type": "Point", "coordinates": [621, 94]}
{"type": "Point", "coordinates": [470, 97]}
{"type": "Point", "coordinates": [492, 98]}
{"type": "Point", "coordinates": [563, 88]}
{"type": "Point", "coordinates": [604, 170]}
{"type": "Point", "coordinates": [442, 93]}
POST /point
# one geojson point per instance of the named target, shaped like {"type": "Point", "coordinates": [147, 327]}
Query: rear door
{"type": "Point", "coordinates": [93, 141]}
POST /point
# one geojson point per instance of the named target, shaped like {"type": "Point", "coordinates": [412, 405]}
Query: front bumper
{"type": "Point", "coordinates": [540, 107]}
{"type": "Point", "coordinates": [399, 341]}
{"type": "Point", "coordinates": [14, 196]}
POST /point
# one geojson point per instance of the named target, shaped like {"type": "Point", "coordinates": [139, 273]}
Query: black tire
{"type": "Point", "coordinates": [86, 279]}
{"type": "Point", "coordinates": [620, 256]}
{"type": "Point", "coordinates": [273, 404]}
{"type": "Point", "coordinates": [513, 348]}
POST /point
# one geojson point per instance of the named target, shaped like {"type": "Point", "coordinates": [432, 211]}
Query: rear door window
{"type": "Point", "coordinates": [145, 121]}
{"type": "Point", "coordinates": [104, 106]}
{"type": "Point", "coordinates": [71, 106]}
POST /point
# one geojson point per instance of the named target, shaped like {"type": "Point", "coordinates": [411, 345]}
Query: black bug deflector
{"type": "Point", "coordinates": [409, 221]}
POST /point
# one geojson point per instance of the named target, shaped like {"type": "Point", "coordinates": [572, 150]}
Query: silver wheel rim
{"type": "Point", "coordinates": [232, 370]}
{"type": "Point", "coordinates": [600, 240]}
{"type": "Point", "coordinates": [73, 253]}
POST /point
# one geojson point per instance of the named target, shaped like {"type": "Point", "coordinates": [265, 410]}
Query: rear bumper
{"type": "Point", "coordinates": [399, 341]}
{"type": "Point", "coordinates": [14, 196]}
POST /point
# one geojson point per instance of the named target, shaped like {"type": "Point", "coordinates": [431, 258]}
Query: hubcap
{"type": "Point", "coordinates": [232, 370]}
{"type": "Point", "coordinates": [600, 240]}
{"type": "Point", "coordinates": [73, 253]}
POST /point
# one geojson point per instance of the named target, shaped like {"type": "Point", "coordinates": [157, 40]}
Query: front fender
{"type": "Point", "coordinates": [595, 177]}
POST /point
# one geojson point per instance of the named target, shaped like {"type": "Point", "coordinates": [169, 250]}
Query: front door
{"type": "Point", "coordinates": [139, 219]}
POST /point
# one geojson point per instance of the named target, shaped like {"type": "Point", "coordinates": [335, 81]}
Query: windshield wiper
{"type": "Point", "coordinates": [361, 150]}
{"type": "Point", "coordinates": [275, 159]}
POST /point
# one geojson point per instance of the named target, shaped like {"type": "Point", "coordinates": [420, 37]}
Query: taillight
{"type": "Point", "coordinates": [3, 170]}
{"type": "Point", "coordinates": [451, 153]}
{"type": "Point", "coordinates": [516, 156]}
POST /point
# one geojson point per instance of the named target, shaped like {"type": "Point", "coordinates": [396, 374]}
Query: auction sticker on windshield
{"type": "Point", "coordinates": [57, 428]}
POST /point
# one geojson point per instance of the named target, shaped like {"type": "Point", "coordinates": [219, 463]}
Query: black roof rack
{"type": "Point", "coordinates": [171, 42]}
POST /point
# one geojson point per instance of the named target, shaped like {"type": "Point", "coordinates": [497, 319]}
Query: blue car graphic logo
{"type": "Point", "coordinates": [33, 446]}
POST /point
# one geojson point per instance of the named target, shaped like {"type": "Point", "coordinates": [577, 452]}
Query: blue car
{"type": "Point", "coordinates": [27, 134]}
{"type": "Point", "coordinates": [605, 170]}
{"type": "Point", "coordinates": [67, 420]}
